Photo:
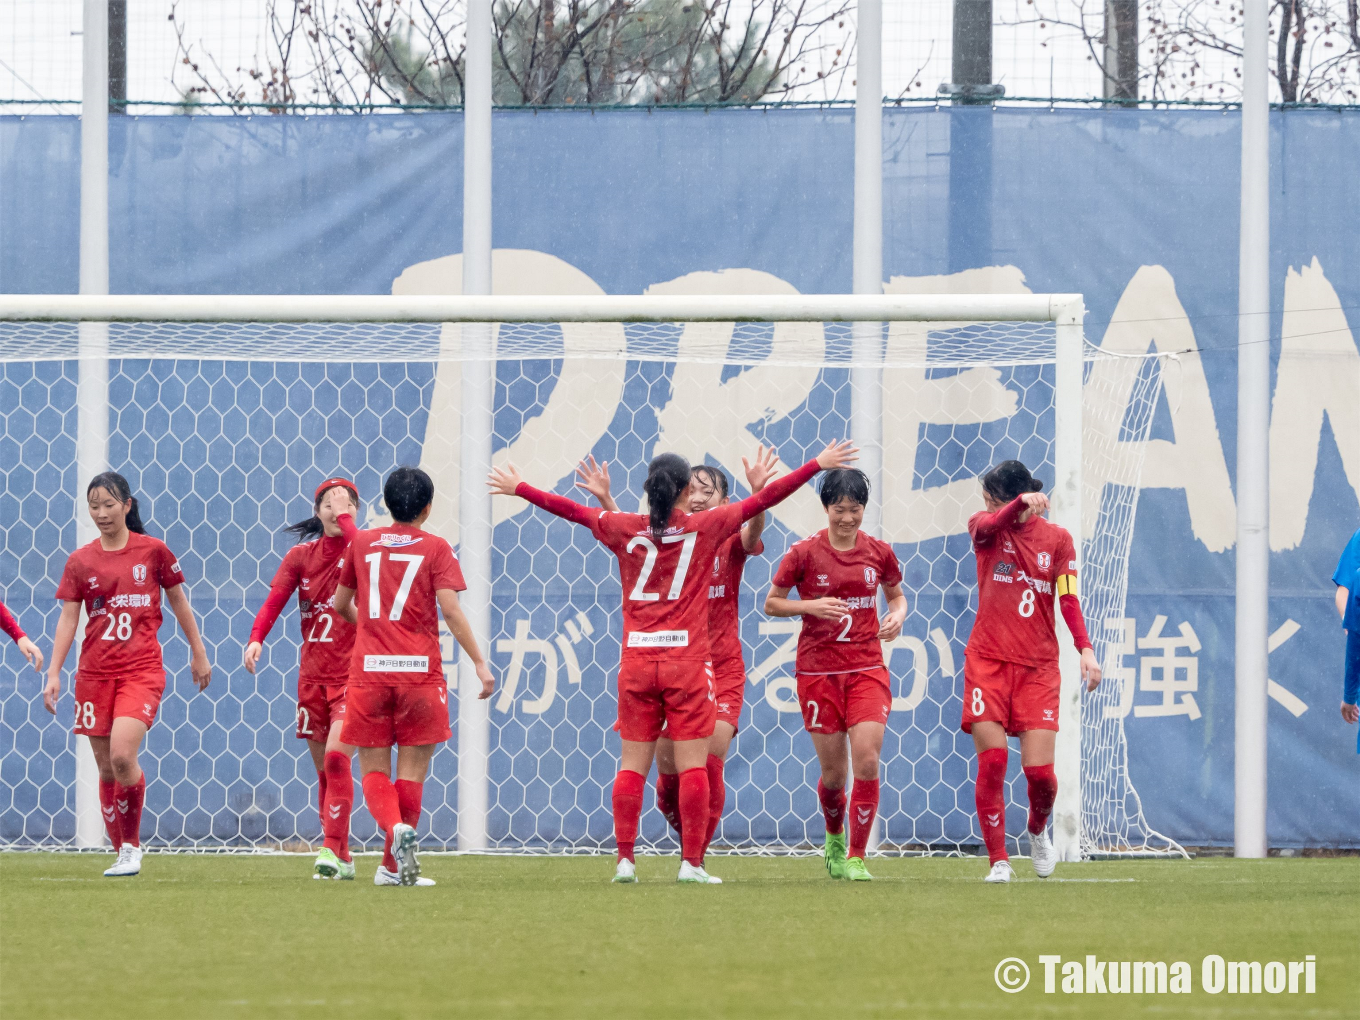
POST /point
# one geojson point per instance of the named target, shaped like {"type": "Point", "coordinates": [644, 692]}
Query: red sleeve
{"type": "Point", "coordinates": [445, 572]}
{"type": "Point", "coordinates": [348, 577]}
{"type": "Point", "coordinates": [1071, 611]}
{"type": "Point", "coordinates": [557, 505]}
{"type": "Point", "coordinates": [69, 588]}
{"type": "Point", "coordinates": [280, 590]}
{"type": "Point", "coordinates": [9, 624]}
{"type": "Point", "coordinates": [171, 575]}
{"type": "Point", "coordinates": [347, 527]}
{"type": "Point", "coordinates": [790, 570]}
{"type": "Point", "coordinates": [890, 573]}
{"type": "Point", "coordinates": [777, 491]}
{"type": "Point", "coordinates": [985, 526]}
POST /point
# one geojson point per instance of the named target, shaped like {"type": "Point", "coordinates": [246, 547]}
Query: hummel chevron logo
{"type": "Point", "coordinates": [994, 819]}
{"type": "Point", "coordinates": [334, 810]}
{"type": "Point", "coordinates": [122, 807]}
{"type": "Point", "coordinates": [864, 815]}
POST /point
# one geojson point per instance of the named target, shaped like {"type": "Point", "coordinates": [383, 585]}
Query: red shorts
{"type": "Point", "coordinates": [677, 695]}
{"type": "Point", "coordinates": [320, 706]}
{"type": "Point", "coordinates": [99, 702]}
{"type": "Point", "coordinates": [387, 715]}
{"type": "Point", "coordinates": [1017, 696]}
{"type": "Point", "coordinates": [833, 702]}
{"type": "Point", "coordinates": [729, 682]}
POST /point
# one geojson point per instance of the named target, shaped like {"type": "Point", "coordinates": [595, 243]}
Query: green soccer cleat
{"type": "Point", "coordinates": [834, 854]}
{"type": "Point", "coordinates": [855, 870]}
{"type": "Point", "coordinates": [328, 865]}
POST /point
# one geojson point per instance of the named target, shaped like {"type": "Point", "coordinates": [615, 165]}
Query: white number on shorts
{"type": "Point", "coordinates": [639, 592]}
{"type": "Point", "coordinates": [977, 706]}
{"type": "Point", "coordinates": [374, 561]}
{"type": "Point", "coordinates": [844, 635]}
{"type": "Point", "coordinates": [325, 635]}
{"type": "Point", "coordinates": [1027, 603]}
{"type": "Point", "coordinates": [812, 707]}
{"type": "Point", "coordinates": [85, 715]}
{"type": "Point", "coordinates": [120, 627]}
{"type": "Point", "coordinates": [304, 722]}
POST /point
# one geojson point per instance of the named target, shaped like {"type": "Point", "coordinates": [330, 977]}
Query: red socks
{"type": "Point", "coordinates": [408, 800]}
{"type": "Point", "coordinates": [863, 808]}
{"type": "Point", "coordinates": [112, 825]}
{"type": "Point", "coordinates": [128, 801]}
{"type": "Point", "coordinates": [321, 795]}
{"type": "Point", "coordinates": [380, 797]}
{"type": "Point", "coordinates": [990, 793]}
{"type": "Point", "coordinates": [1043, 788]}
{"type": "Point", "coordinates": [833, 807]}
{"type": "Point", "coordinates": [717, 796]}
{"type": "Point", "coordinates": [668, 798]}
{"type": "Point", "coordinates": [337, 786]}
{"type": "Point", "coordinates": [628, 787]}
{"type": "Point", "coordinates": [693, 814]}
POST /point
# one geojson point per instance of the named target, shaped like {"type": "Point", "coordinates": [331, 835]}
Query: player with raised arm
{"type": "Point", "coordinates": [312, 569]}
{"type": "Point", "coordinates": [10, 626]}
{"type": "Point", "coordinates": [665, 671]}
{"type": "Point", "coordinates": [1010, 668]}
{"type": "Point", "coordinates": [708, 489]}
{"type": "Point", "coordinates": [844, 689]}
{"type": "Point", "coordinates": [394, 583]}
{"type": "Point", "coordinates": [120, 678]}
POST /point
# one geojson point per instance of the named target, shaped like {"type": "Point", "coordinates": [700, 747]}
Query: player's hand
{"type": "Point", "coordinates": [503, 481]}
{"type": "Point", "coordinates": [1351, 713]}
{"type": "Point", "coordinates": [891, 626]}
{"type": "Point", "coordinates": [201, 668]}
{"type": "Point", "coordinates": [1090, 668]}
{"type": "Point", "coordinates": [32, 653]}
{"type": "Point", "coordinates": [759, 473]}
{"type": "Point", "coordinates": [839, 454]}
{"type": "Point", "coordinates": [594, 478]}
{"type": "Point", "coordinates": [826, 609]}
{"type": "Point", "coordinates": [1038, 504]}
{"type": "Point", "coordinates": [488, 681]}
{"type": "Point", "coordinates": [252, 656]}
{"type": "Point", "coordinates": [51, 692]}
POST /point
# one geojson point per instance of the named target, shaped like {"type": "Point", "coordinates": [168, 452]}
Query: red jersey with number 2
{"type": "Point", "coordinates": [848, 645]}
{"type": "Point", "coordinates": [121, 592]}
{"type": "Point", "coordinates": [1022, 569]}
{"type": "Point", "coordinates": [395, 572]}
{"type": "Point", "coordinates": [313, 569]}
{"type": "Point", "coordinates": [724, 586]}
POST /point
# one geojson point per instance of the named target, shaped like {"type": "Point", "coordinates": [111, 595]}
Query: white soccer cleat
{"type": "Point", "coordinates": [1042, 854]}
{"type": "Point", "coordinates": [384, 877]}
{"type": "Point", "coordinates": [696, 876]}
{"type": "Point", "coordinates": [625, 871]}
{"type": "Point", "coordinates": [404, 850]}
{"type": "Point", "coordinates": [129, 862]}
{"type": "Point", "coordinates": [1001, 872]}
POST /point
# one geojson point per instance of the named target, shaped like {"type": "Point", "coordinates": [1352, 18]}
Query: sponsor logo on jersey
{"type": "Point", "coordinates": [717, 591]}
{"type": "Point", "coordinates": [870, 575]}
{"type": "Point", "coordinates": [305, 605]}
{"type": "Point", "coordinates": [98, 603]}
{"type": "Point", "coordinates": [1071, 564]}
{"type": "Point", "coordinates": [862, 602]}
{"type": "Point", "coordinates": [139, 574]}
{"type": "Point", "coordinates": [658, 639]}
{"type": "Point", "coordinates": [390, 540]}
{"type": "Point", "coordinates": [1037, 583]}
{"type": "Point", "coordinates": [396, 663]}
{"type": "Point", "coordinates": [1045, 561]}
{"type": "Point", "coordinates": [1002, 572]}
{"type": "Point", "coordinates": [174, 567]}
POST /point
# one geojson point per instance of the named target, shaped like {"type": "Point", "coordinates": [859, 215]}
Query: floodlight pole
{"type": "Point", "coordinates": [474, 505]}
{"type": "Point", "coordinates": [1253, 442]}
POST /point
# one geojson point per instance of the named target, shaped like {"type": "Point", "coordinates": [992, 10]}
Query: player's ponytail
{"type": "Point", "coordinates": [1008, 480]}
{"type": "Point", "coordinates": [117, 486]}
{"type": "Point", "coordinates": [667, 480]}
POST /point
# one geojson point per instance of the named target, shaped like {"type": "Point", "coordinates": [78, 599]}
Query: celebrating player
{"type": "Point", "coordinates": [665, 674]}
{"type": "Point", "coordinates": [1010, 667]}
{"type": "Point", "coordinates": [708, 489]}
{"type": "Point", "coordinates": [27, 648]}
{"type": "Point", "coordinates": [391, 583]}
{"type": "Point", "coordinates": [312, 568]}
{"type": "Point", "coordinates": [120, 678]}
{"type": "Point", "coordinates": [843, 685]}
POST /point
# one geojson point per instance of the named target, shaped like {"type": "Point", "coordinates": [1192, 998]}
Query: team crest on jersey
{"type": "Point", "coordinates": [139, 573]}
{"type": "Point", "coordinates": [1045, 561]}
{"type": "Point", "coordinates": [870, 575]}
{"type": "Point", "coordinates": [390, 540]}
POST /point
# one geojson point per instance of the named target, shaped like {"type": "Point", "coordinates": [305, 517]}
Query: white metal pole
{"type": "Point", "coordinates": [1066, 497]}
{"type": "Point", "coordinates": [1253, 445]}
{"type": "Point", "coordinates": [475, 528]}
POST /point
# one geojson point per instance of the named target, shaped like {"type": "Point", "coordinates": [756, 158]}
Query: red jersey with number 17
{"type": "Point", "coordinates": [724, 586]}
{"type": "Point", "coordinates": [395, 572]}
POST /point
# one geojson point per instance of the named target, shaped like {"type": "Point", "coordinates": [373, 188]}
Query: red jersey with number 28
{"type": "Point", "coordinates": [395, 572]}
{"type": "Point", "coordinates": [121, 591]}
{"type": "Point", "coordinates": [724, 585]}
{"type": "Point", "coordinates": [1022, 569]}
{"type": "Point", "coordinates": [818, 571]}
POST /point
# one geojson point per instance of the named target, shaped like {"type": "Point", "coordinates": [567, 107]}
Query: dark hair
{"type": "Point", "coordinates": [407, 491]}
{"type": "Point", "coordinates": [715, 477]}
{"type": "Point", "coordinates": [311, 527]}
{"type": "Point", "coordinates": [667, 478]}
{"type": "Point", "coordinates": [117, 487]}
{"type": "Point", "coordinates": [1009, 479]}
{"type": "Point", "coordinates": [844, 483]}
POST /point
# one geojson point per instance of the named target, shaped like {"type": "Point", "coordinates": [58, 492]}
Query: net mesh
{"type": "Point", "coordinates": [223, 430]}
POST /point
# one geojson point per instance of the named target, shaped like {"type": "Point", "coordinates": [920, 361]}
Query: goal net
{"type": "Point", "coordinates": [225, 412]}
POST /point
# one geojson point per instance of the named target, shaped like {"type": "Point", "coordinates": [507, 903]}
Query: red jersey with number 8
{"type": "Point", "coordinates": [395, 572]}
{"type": "Point", "coordinates": [121, 592]}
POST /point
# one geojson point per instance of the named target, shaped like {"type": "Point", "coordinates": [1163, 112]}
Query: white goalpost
{"type": "Point", "coordinates": [222, 409]}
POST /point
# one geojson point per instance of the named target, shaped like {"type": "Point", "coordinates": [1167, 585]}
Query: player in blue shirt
{"type": "Point", "coordinates": [1347, 578]}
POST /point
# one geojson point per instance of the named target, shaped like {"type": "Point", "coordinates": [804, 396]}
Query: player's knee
{"type": "Point", "coordinates": [123, 766]}
{"type": "Point", "coordinates": [866, 765]}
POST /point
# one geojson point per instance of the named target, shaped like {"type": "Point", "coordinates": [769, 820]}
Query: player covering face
{"type": "Point", "coordinates": [708, 490]}
{"type": "Point", "coordinates": [312, 569]}
{"type": "Point", "coordinates": [394, 583]}
{"type": "Point", "coordinates": [843, 685]}
{"type": "Point", "coordinates": [117, 579]}
{"type": "Point", "coordinates": [665, 668]}
{"type": "Point", "coordinates": [1011, 681]}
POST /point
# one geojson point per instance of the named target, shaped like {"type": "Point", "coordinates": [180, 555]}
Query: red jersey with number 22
{"type": "Point", "coordinates": [818, 571]}
{"type": "Point", "coordinates": [724, 586]}
{"type": "Point", "coordinates": [395, 572]}
{"type": "Point", "coordinates": [121, 591]}
{"type": "Point", "coordinates": [313, 569]}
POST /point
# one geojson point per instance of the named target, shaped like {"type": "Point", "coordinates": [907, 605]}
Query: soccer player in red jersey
{"type": "Point", "coordinates": [1010, 667]}
{"type": "Point", "coordinates": [312, 568]}
{"type": "Point", "coordinates": [843, 685]}
{"type": "Point", "coordinates": [394, 583]}
{"type": "Point", "coordinates": [10, 626]}
{"type": "Point", "coordinates": [120, 677]}
{"type": "Point", "coordinates": [708, 489]}
{"type": "Point", "coordinates": [665, 671]}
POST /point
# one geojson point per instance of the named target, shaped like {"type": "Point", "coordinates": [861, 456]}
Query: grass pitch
{"type": "Point", "coordinates": [215, 936]}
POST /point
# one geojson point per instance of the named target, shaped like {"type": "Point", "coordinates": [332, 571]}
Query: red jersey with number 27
{"type": "Point", "coordinates": [724, 586]}
{"type": "Point", "coordinates": [121, 592]}
{"type": "Point", "coordinates": [395, 572]}
{"type": "Point", "coordinates": [818, 571]}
